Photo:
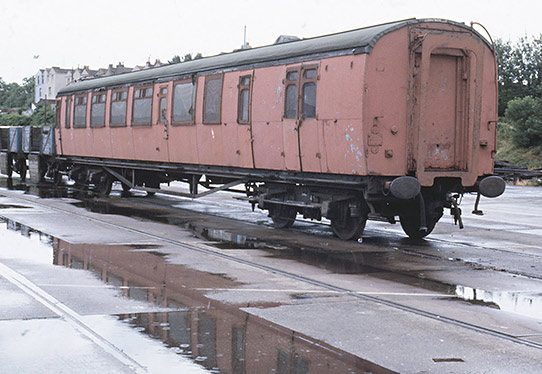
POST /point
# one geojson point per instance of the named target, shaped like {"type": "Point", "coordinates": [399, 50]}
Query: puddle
{"type": "Point", "coordinates": [525, 303]}
{"type": "Point", "coordinates": [218, 337]}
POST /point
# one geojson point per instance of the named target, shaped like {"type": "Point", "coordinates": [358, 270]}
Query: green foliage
{"type": "Point", "coordinates": [44, 115]}
{"type": "Point", "coordinates": [13, 95]}
{"type": "Point", "coordinates": [14, 120]}
{"type": "Point", "coordinates": [525, 117]}
{"type": "Point", "coordinates": [520, 69]}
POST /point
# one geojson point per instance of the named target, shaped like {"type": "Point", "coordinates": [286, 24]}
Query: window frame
{"type": "Point", "coordinates": [300, 86]}
{"type": "Point", "coordinates": [113, 100]}
{"type": "Point", "coordinates": [68, 112]}
{"type": "Point", "coordinates": [193, 82]}
{"type": "Point", "coordinates": [296, 84]}
{"type": "Point", "coordinates": [134, 98]}
{"type": "Point", "coordinates": [58, 113]}
{"type": "Point", "coordinates": [210, 78]}
{"type": "Point", "coordinates": [242, 87]}
{"type": "Point", "coordinates": [162, 120]}
{"type": "Point", "coordinates": [76, 99]}
{"type": "Point", "coordinates": [303, 82]}
{"type": "Point", "coordinates": [99, 95]}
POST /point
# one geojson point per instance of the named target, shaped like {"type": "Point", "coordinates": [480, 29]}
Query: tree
{"type": "Point", "coordinates": [43, 115]}
{"type": "Point", "coordinates": [520, 69]}
{"type": "Point", "coordinates": [525, 116]}
{"type": "Point", "coordinates": [12, 95]}
{"type": "Point", "coordinates": [14, 120]}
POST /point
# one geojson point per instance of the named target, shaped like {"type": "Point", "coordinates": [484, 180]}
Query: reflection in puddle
{"type": "Point", "coordinates": [525, 303]}
{"type": "Point", "coordinates": [219, 337]}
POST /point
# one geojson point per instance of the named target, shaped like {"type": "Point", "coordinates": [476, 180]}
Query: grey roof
{"type": "Point", "coordinates": [348, 42]}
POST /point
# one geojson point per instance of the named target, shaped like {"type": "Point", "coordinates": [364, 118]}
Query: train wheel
{"type": "Point", "coordinates": [349, 219]}
{"type": "Point", "coordinates": [283, 216]}
{"type": "Point", "coordinates": [411, 225]}
{"type": "Point", "coordinates": [20, 166]}
{"type": "Point", "coordinates": [348, 228]}
{"type": "Point", "coordinates": [9, 172]}
{"type": "Point", "coordinates": [104, 185]}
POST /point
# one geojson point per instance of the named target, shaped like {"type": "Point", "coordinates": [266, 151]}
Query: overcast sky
{"type": "Point", "coordinates": [72, 33]}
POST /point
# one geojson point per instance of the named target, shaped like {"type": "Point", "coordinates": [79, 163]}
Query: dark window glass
{"type": "Point", "coordinates": [311, 73]}
{"type": "Point", "coordinates": [68, 113]}
{"type": "Point", "coordinates": [291, 101]}
{"type": "Point", "coordinates": [243, 109]}
{"type": "Point", "coordinates": [309, 100]}
{"type": "Point", "coordinates": [183, 102]}
{"type": "Point", "coordinates": [118, 112]}
{"type": "Point", "coordinates": [119, 101]}
{"type": "Point", "coordinates": [58, 111]}
{"type": "Point", "coordinates": [97, 110]}
{"type": "Point", "coordinates": [292, 76]}
{"type": "Point", "coordinates": [213, 100]}
{"type": "Point", "coordinates": [142, 106]}
{"type": "Point", "coordinates": [80, 112]}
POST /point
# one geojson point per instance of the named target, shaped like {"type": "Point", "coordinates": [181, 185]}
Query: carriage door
{"type": "Point", "coordinates": [308, 128]}
{"type": "Point", "coordinates": [300, 118]}
{"type": "Point", "coordinates": [444, 67]}
{"type": "Point", "coordinates": [164, 117]}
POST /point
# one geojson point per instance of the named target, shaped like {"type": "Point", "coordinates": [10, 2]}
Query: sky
{"type": "Point", "coordinates": [36, 34]}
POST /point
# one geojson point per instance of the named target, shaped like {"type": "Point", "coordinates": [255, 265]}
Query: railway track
{"type": "Point", "coordinates": [328, 287]}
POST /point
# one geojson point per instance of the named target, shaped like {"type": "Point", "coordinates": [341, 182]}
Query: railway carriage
{"type": "Point", "coordinates": [391, 121]}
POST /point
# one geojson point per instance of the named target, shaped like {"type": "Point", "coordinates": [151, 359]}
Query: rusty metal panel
{"type": "Point", "coordinates": [446, 126]}
{"type": "Point", "coordinates": [385, 105]}
{"type": "Point", "coordinates": [344, 147]}
{"type": "Point", "coordinates": [448, 78]}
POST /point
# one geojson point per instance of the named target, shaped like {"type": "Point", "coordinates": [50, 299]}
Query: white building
{"type": "Point", "coordinates": [48, 82]}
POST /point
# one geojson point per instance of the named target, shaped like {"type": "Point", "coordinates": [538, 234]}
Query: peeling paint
{"type": "Point", "coordinates": [354, 149]}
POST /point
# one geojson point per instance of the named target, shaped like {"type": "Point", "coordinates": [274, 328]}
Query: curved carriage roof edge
{"type": "Point", "coordinates": [349, 42]}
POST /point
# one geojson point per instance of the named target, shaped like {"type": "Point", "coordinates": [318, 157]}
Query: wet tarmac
{"type": "Point", "coordinates": [205, 317]}
{"type": "Point", "coordinates": [217, 337]}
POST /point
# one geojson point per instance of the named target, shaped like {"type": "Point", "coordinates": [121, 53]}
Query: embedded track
{"type": "Point", "coordinates": [325, 286]}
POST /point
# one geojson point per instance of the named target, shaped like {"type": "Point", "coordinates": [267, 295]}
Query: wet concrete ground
{"type": "Point", "coordinates": [131, 301]}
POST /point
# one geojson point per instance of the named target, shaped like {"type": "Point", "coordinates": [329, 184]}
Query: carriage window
{"type": "Point", "coordinates": [58, 111]}
{"type": "Point", "coordinates": [68, 113]}
{"type": "Point", "coordinates": [162, 105]}
{"type": "Point", "coordinates": [97, 110]}
{"type": "Point", "coordinates": [309, 79]}
{"type": "Point", "coordinates": [243, 114]}
{"type": "Point", "coordinates": [119, 100]}
{"type": "Point", "coordinates": [184, 95]}
{"type": "Point", "coordinates": [309, 100]}
{"type": "Point", "coordinates": [212, 100]}
{"type": "Point", "coordinates": [80, 112]}
{"type": "Point", "coordinates": [290, 104]}
{"type": "Point", "coordinates": [142, 106]}
{"type": "Point", "coordinates": [291, 101]}
{"type": "Point", "coordinates": [301, 93]}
